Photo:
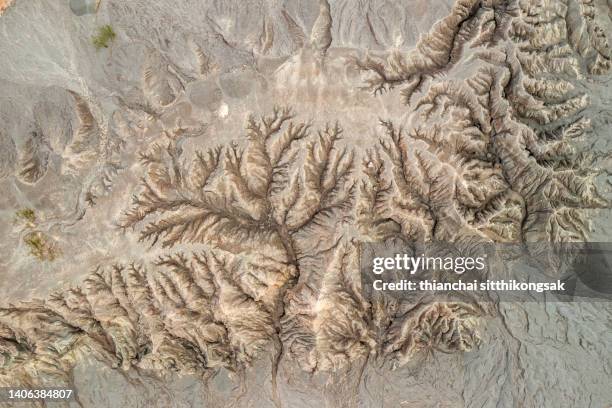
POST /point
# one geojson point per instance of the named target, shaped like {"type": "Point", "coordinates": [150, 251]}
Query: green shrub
{"type": "Point", "coordinates": [26, 214]}
{"type": "Point", "coordinates": [41, 246]}
{"type": "Point", "coordinates": [105, 36]}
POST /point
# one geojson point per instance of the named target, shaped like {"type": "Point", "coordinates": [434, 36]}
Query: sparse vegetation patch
{"type": "Point", "coordinates": [105, 36]}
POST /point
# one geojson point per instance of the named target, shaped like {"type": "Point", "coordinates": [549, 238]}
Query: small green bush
{"type": "Point", "coordinates": [41, 246]}
{"type": "Point", "coordinates": [26, 214]}
{"type": "Point", "coordinates": [105, 36]}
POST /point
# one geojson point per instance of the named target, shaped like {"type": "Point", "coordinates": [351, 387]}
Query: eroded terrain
{"type": "Point", "coordinates": [185, 200]}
